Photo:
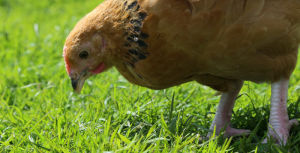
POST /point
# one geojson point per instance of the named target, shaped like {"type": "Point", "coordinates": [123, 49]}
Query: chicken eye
{"type": "Point", "coordinates": [84, 54]}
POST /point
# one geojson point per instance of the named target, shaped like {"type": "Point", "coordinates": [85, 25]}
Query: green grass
{"type": "Point", "coordinates": [40, 113]}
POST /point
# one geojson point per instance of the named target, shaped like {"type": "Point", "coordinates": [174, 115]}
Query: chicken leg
{"type": "Point", "coordinates": [224, 112]}
{"type": "Point", "coordinates": [279, 123]}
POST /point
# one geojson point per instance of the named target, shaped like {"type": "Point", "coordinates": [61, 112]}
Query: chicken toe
{"type": "Point", "coordinates": [235, 132]}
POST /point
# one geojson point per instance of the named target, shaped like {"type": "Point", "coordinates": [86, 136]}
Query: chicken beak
{"type": "Point", "coordinates": [74, 83]}
{"type": "Point", "coordinates": [77, 83]}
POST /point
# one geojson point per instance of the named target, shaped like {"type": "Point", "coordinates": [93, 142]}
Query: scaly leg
{"type": "Point", "coordinates": [224, 112]}
{"type": "Point", "coordinates": [279, 123]}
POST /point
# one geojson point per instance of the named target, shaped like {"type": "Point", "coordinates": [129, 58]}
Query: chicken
{"type": "Point", "coordinates": [163, 43]}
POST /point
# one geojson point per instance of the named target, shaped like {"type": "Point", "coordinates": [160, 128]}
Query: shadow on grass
{"type": "Point", "coordinates": [176, 123]}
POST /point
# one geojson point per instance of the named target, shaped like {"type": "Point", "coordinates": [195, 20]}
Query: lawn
{"type": "Point", "coordinates": [40, 113]}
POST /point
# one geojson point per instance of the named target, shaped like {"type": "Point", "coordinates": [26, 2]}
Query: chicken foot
{"type": "Point", "coordinates": [279, 123]}
{"type": "Point", "coordinates": [224, 112]}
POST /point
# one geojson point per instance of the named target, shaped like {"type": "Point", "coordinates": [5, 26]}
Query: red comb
{"type": "Point", "coordinates": [67, 63]}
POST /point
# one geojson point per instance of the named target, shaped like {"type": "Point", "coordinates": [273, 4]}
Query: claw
{"type": "Point", "coordinates": [293, 122]}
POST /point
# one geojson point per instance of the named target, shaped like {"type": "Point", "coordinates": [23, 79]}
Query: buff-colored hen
{"type": "Point", "coordinates": [163, 43]}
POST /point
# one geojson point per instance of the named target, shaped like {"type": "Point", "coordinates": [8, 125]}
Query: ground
{"type": "Point", "coordinates": [40, 113]}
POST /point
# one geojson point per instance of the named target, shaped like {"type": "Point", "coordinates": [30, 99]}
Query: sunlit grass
{"type": "Point", "coordinates": [39, 112]}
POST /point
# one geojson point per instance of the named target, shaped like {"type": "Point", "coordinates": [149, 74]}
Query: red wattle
{"type": "Point", "coordinates": [99, 69]}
